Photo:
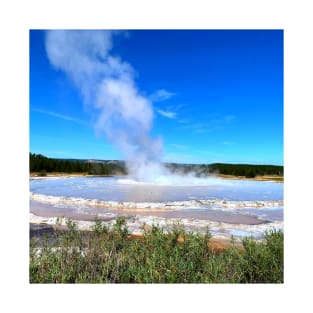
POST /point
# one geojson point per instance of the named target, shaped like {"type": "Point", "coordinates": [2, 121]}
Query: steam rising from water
{"type": "Point", "coordinates": [107, 85]}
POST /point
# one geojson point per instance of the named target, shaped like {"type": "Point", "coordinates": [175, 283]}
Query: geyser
{"type": "Point", "coordinates": [107, 86]}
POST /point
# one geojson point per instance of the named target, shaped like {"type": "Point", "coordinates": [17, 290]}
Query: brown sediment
{"type": "Point", "coordinates": [47, 211]}
{"type": "Point", "coordinates": [194, 214]}
{"type": "Point", "coordinates": [216, 245]}
{"type": "Point", "coordinates": [215, 216]}
{"type": "Point", "coordinates": [219, 246]}
{"type": "Point", "coordinates": [219, 216]}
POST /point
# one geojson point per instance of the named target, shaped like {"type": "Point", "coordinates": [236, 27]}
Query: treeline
{"type": "Point", "coordinates": [246, 170]}
{"type": "Point", "coordinates": [42, 165]}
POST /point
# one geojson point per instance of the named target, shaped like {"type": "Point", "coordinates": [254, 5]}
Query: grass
{"type": "Point", "coordinates": [108, 255]}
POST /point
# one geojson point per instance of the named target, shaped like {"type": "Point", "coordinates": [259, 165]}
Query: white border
{"type": "Point", "coordinates": [17, 17]}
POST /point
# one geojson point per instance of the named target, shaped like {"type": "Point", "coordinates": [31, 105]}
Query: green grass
{"type": "Point", "coordinates": [108, 255]}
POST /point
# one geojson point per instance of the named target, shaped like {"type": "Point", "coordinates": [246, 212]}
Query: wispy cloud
{"type": "Point", "coordinates": [167, 114]}
{"type": "Point", "coordinates": [215, 122]}
{"type": "Point", "coordinates": [222, 120]}
{"type": "Point", "coordinates": [161, 95]}
{"type": "Point", "coordinates": [176, 107]}
{"type": "Point", "coordinates": [200, 128]}
{"type": "Point", "coordinates": [228, 143]}
{"type": "Point", "coordinates": [61, 116]}
{"type": "Point", "coordinates": [170, 111]}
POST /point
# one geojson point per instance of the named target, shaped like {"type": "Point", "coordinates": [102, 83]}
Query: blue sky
{"type": "Point", "coordinates": [217, 96]}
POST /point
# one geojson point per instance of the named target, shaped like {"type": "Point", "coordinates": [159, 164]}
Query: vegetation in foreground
{"type": "Point", "coordinates": [108, 255]}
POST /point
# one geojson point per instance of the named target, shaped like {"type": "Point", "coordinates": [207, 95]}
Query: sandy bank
{"type": "Point", "coordinates": [278, 179]}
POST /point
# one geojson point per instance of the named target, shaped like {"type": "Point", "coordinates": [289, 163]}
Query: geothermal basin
{"type": "Point", "coordinates": [236, 208]}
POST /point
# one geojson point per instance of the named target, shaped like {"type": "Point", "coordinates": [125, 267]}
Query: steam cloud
{"type": "Point", "coordinates": [107, 84]}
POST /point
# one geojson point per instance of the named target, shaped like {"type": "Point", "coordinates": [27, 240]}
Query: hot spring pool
{"type": "Point", "coordinates": [227, 207]}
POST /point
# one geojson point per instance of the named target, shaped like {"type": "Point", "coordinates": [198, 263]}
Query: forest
{"type": "Point", "coordinates": [42, 165]}
{"type": "Point", "coordinates": [246, 170]}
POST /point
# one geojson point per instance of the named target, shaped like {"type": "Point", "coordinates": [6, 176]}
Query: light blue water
{"type": "Point", "coordinates": [73, 197]}
{"type": "Point", "coordinates": [122, 189]}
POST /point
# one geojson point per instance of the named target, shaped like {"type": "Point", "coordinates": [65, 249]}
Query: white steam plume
{"type": "Point", "coordinates": [107, 84]}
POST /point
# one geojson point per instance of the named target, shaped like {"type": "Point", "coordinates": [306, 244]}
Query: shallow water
{"type": "Point", "coordinates": [119, 189]}
{"type": "Point", "coordinates": [228, 207]}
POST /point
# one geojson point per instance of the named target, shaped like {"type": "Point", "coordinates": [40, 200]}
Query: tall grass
{"type": "Point", "coordinates": [108, 255]}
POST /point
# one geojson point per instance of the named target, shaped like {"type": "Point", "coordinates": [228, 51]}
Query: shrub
{"type": "Point", "coordinates": [108, 255]}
